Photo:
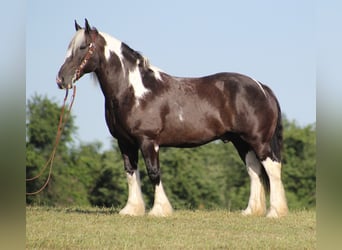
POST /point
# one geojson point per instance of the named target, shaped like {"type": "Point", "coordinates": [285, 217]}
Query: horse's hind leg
{"type": "Point", "coordinates": [135, 204]}
{"type": "Point", "coordinates": [161, 206]}
{"type": "Point", "coordinates": [278, 204]}
{"type": "Point", "coordinates": [270, 159]}
{"type": "Point", "coordinates": [257, 202]}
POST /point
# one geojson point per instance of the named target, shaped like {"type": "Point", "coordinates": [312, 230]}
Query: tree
{"type": "Point", "coordinates": [299, 170]}
{"type": "Point", "coordinates": [109, 187]}
{"type": "Point", "coordinates": [42, 121]}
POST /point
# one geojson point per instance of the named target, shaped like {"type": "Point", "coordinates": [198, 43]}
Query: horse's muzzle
{"type": "Point", "coordinates": [61, 84]}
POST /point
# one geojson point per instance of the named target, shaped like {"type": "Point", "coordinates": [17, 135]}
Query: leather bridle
{"type": "Point", "coordinates": [90, 52]}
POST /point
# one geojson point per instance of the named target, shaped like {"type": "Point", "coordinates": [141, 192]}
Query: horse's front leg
{"type": "Point", "coordinates": [161, 206]}
{"type": "Point", "coordinates": [135, 204]}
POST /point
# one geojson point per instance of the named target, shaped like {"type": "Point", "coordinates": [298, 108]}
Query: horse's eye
{"type": "Point", "coordinates": [82, 47]}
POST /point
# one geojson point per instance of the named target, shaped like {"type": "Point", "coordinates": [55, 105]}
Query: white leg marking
{"type": "Point", "coordinates": [277, 193]}
{"type": "Point", "coordinates": [256, 203]}
{"type": "Point", "coordinates": [135, 203]}
{"type": "Point", "coordinates": [136, 81]}
{"type": "Point", "coordinates": [161, 206]}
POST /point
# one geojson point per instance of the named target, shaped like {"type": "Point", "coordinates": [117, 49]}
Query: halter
{"type": "Point", "coordinates": [85, 60]}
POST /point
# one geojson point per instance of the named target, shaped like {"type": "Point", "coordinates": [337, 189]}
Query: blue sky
{"type": "Point", "coordinates": [273, 42]}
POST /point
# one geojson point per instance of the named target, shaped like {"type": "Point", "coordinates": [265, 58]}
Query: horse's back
{"type": "Point", "coordinates": [198, 110]}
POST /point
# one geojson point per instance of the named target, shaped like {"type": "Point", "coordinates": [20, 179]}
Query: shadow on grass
{"type": "Point", "coordinates": [77, 210]}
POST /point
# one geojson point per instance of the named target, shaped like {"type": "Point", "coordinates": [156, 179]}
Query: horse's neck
{"type": "Point", "coordinates": [113, 82]}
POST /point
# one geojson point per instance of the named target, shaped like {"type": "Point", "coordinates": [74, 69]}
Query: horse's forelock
{"type": "Point", "coordinates": [78, 39]}
{"type": "Point", "coordinates": [76, 42]}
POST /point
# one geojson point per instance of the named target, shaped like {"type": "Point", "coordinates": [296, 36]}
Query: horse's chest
{"type": "Point", "coordinates": [116, 120]}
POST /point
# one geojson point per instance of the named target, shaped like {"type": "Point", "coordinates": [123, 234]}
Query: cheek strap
{"type": "Point", "coordinates": [79, 70]}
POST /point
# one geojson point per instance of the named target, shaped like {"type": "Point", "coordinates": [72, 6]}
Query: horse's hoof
{"type": "Point", "coordinates": [273, 213]}
{"type": "Point", "coordinates": [249, 212]}
{"type": "Point", "coordinates": [160, 210]}
{"type": "Point", "coordinates": [246, 212]}
{"type": "Point", "coordinates": [131, 210]}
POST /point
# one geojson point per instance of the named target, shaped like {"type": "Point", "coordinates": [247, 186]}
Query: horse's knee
{"type": "Point", "coordinates": [130, 158]}
{"type": "Point", "coordinates": [151, 156]}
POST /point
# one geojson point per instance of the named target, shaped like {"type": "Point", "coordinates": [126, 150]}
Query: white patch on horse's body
{"type": "Point", "coordinates": [277, 193]}
{"type": "Point", "coordinates": [260, 86]}
{"type": "Point", "coordinates": [161, 206]}
{"type": "Point", "coordinates": [156, 148]}
{"type": "Point", "coordinates": [256, 203]}
{"type": "Point", "coordinates": [112, 45]}
{"type": "Point", "coordinates": [75, 43]}
{"type": "Point", "coordinates": [180, 115]}
{"type": "Point", "coordinates": [135, 80]}
{"type": "Point", "coordinates": [156, 72]}
{"type": "Point", "coordinates": [135, 203]}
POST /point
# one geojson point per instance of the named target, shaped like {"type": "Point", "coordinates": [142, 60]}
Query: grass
{"type": "Point", "coordinates": [97, 228]}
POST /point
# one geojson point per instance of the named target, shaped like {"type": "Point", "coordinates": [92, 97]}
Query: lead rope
{"type": "Point", "coordinates": [60, 128]}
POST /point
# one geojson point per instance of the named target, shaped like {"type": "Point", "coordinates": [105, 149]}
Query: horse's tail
{"type": "Point", "coordinates": [276, 142]}
{"type": "Point", "coordinates": [277, 138]}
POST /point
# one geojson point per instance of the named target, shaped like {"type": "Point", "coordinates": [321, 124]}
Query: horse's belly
{"type": "Point", "coordinates": [190, 134]}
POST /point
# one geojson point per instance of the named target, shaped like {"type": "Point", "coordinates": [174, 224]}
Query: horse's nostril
{"type": "Point", "coordinates": [59, 80]}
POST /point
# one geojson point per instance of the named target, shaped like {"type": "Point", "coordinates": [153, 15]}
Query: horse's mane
{"type": "Point", "coordinates": [135, 57]}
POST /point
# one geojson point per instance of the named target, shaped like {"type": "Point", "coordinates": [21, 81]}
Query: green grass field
{"type": "Point", "coordinates": [97, 228]}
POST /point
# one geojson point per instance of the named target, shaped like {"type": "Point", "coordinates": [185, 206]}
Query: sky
{"type": "Point", "coordinates": [271, 41]}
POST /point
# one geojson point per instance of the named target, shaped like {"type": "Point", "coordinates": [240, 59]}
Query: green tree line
{"type": "Point", "coordinates": [206, 177]}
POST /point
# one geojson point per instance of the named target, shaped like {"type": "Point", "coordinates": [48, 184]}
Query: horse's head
{"type": "Point", "coordinates": [81, 56]}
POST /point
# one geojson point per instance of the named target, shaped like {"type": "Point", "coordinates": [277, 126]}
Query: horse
{"type": "Point", "coordinates": [146, 109]}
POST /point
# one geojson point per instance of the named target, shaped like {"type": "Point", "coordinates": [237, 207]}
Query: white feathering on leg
{"type": "Point", "coordinates": [161, 206]}
{"type": "Point", "coordinates": [256, 203]}
{"type": "Point", "coordinates": [277, 193]}
{"type": "Point", "coordinates": [135, 203]}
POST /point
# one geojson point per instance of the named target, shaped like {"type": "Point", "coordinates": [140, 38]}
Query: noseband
{"type": "Point", "coordinates": [85, 60]}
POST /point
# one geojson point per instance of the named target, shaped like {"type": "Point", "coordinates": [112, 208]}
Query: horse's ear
{"type": "Point", "coordinates": [77, 26]}
{"type": "Point", "coordinates": [87, 26]}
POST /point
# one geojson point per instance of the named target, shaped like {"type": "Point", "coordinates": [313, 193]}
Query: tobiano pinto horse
{"type": "Point", "coordinates": [146, 108]}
